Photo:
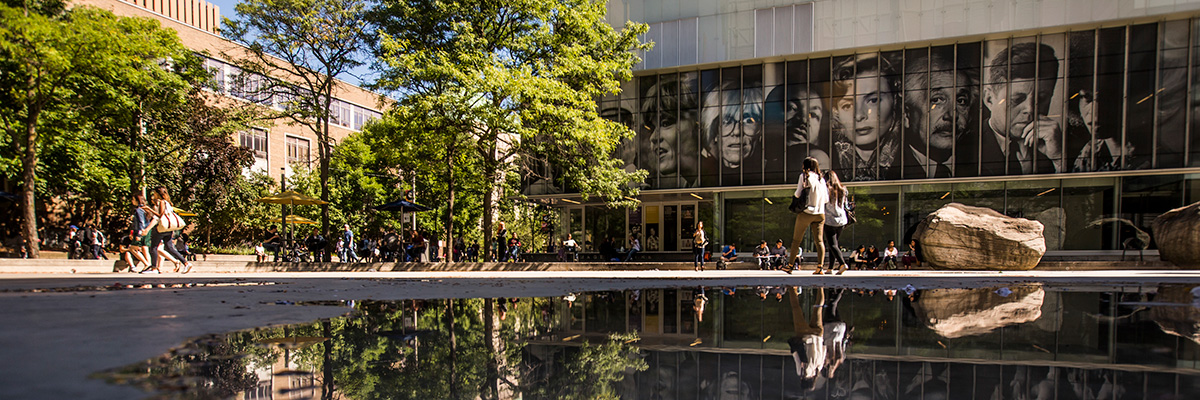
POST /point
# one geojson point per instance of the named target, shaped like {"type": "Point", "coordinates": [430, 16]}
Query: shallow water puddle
{"type": "Point", "coordinates": [1028, 341]}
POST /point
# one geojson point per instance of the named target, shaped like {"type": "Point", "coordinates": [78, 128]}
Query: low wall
{"type": "Point", "coordinates": [63, 266]}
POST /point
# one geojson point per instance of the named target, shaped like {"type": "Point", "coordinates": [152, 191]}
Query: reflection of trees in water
{"type": "Point", "coordinates": [444, 349]}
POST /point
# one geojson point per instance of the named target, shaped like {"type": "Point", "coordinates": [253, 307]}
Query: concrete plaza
{"type": "Point", "coordinates": [59, 328]}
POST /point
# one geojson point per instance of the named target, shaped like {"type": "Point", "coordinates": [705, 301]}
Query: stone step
{"type": "Point", "coordinates": [63, 266]}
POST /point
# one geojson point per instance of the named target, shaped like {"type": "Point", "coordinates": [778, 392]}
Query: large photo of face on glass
{"type": "Point", "coordinates": [866, 117]}
{"type": "Point", "coordinates": [669, 130]}
{"type": "Point", "coordinates": [1095, 80]}
{"type": "Point", "coordinates": [622, 109]}
{"type": "Point", "coordinates": [732, 122]}
{"type": "Point", "coordinates": [774, 142]}
{"type": "Point", "coordinates": [1022, 131]}
{"type": "Point", "coordinates": [803, 119]}
{"type": "Point", "coordinates": [938, 104]}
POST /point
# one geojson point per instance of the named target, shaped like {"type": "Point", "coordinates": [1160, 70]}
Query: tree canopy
{"type": "Point", "coordinates": [497, 87]}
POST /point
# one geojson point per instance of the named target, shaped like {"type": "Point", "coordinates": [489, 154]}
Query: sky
{"type": "Point", "coordinates": [359, 75]}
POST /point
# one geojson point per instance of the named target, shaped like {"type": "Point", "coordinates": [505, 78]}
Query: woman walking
{"type": "Point", "coordinates": [161, 205]}
{"type": "Point", "coordinates": [835, 220]}
{"type": "Point", "coordinates": [141, 241]}
{"type": "Point", "coordinates": [812, 216]}
{"type": "Point", "coordinates": [699, 242]}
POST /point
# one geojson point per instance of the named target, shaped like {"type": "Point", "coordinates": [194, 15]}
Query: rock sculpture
{"type": "Point", "coordinates": [963, 237]}
{"type": "Point", "coordinates": [1177, 233]}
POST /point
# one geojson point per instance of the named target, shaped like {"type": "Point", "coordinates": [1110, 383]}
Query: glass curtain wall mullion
{"type": "Point", "coordinates": [1125, 99]}
{"type": "Point", "coordinates": [1190, 111]}
{"type": "Point", "coordinates": [1158, 68]}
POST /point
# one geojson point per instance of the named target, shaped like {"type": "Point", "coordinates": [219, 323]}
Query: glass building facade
{"type": "Point", "coordinates": [1090, 129]}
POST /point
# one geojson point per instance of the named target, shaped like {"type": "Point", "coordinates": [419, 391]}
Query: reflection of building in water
{"type": "Point", "coordinates": [1024, 341]}
{"type": "Point", "coordinates": [1063, 111]}
{"type": "Point", "coordinates": [286, 376]}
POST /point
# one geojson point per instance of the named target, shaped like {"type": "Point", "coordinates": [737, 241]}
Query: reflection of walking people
{"type": "Point", "coordinates": [699, 242]}
{"type": "Point", "coordinates": [812, 216]}
{"type": "Point", "coordinates": [808, 345]}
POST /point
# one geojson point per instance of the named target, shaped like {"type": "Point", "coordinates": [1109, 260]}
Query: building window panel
{"type": "Point", "coordinates": [256, 140]}
{"type": "Point", "coordinates": [298, 151]}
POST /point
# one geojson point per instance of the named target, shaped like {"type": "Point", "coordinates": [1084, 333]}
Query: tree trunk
{"type": "Point", "coordinates": [453, 351]}
{"type": "Point", "coordinates": [487, 204]}
{"type": "Point", "coordinates": [324, 155]}
{"type": "Point", "coordinates": [450, 211]}
{"type": "Point", "coordinates": [491, 338]}
{"type": "Point", "coordinates": [29, 180]}
{"type": "Point", "coordinates": [327, 385]}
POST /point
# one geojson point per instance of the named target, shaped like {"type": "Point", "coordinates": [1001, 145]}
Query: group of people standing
{"type": "Point", "coordinates": [86, 243]}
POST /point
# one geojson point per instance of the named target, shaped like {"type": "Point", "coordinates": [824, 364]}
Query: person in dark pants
{"type": "Point", "coordinates": [160, 207]}
{"type": "Point", "coordinates": [872, 257]}
{"type": "Point", "coordinates": [699, 242]}
{"type": "Point", "coordinates": [835, 220]}
{"type": "Point", "coordinates": [316, 245]}
{"type": "Point", "coordinates": [272, 242]}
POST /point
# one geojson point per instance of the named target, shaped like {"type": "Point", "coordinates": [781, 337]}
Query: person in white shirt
{"type": "Point", "coordinates": [808, 345]}
{"type": "Point", "coordinates": [835, 221]}
{"type": "Point", "coordinates": [634, 247]}
{"type": "Point", "coordinates": [812, 216]}
{"type": "Point", "coordinates": [572, 247]}
{"type": "Point", "coordinates": [891, 255]}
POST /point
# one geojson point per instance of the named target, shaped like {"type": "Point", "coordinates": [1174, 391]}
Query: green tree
{"type": "Point", "coordinates": [303, 46]}
{"type": "Point", "coordinates": [508, 86]}
{"type": "Point", "coordinates": [357, 184]}
{"type": "Point", "coordinates": [52, 66]}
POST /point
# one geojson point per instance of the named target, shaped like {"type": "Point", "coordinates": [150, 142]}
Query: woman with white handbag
{"type": "Point", "coordinates": [808, 202]}
{"type": "Point", "coordinates": [164, 225]}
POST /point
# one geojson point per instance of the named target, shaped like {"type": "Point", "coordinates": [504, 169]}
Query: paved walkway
{"type": "Point", "coordinates": [64, 327]}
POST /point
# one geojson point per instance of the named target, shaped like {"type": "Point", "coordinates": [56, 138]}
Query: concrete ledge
{"type": "Point", "coordinates": [231, 266]}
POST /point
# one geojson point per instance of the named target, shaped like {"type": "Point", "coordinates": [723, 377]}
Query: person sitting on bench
{"type": "Point", "coordinates": [762, 253]}
{"type": "Point", "coordinates": [728, 255]}
{"type": "Point", "coordinates": [779, 255]}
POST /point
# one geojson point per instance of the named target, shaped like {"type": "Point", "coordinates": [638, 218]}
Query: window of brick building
{"type": "Point", "coordinates": [254, 139]}
{"type": "Point", "coordinates": [298, 151]}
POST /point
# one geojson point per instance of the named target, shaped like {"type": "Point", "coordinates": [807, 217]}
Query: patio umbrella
{"type": "Point", "coordinates": [296, 219]}
{"type": "Point", "coordinates": [185, 213]}
{"type": "Point", "coordinates": [291, 198]}
{"type": "Point", "coordinates": [402, 206]}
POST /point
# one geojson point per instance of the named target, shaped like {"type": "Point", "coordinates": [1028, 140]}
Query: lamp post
{"type": "Point", "coordinates": [283, 208]}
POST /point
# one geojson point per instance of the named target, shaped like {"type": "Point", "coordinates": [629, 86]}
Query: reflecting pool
{"type": "Point", "coordinates": [1029, 341]}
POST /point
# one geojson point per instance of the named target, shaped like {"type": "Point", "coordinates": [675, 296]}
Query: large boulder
{"type": "Point", "coordinates": [955, 313]}
{"type": "Point", "coordinates": [1177, 233]}
{"type": "Point", "coordinates": [963, 237]}
{"type": "Point", "coordinates": [1181, 319]}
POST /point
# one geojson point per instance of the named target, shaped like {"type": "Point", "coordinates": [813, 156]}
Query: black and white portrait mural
{"type": "Point", "coordinates": [1082, 101]}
